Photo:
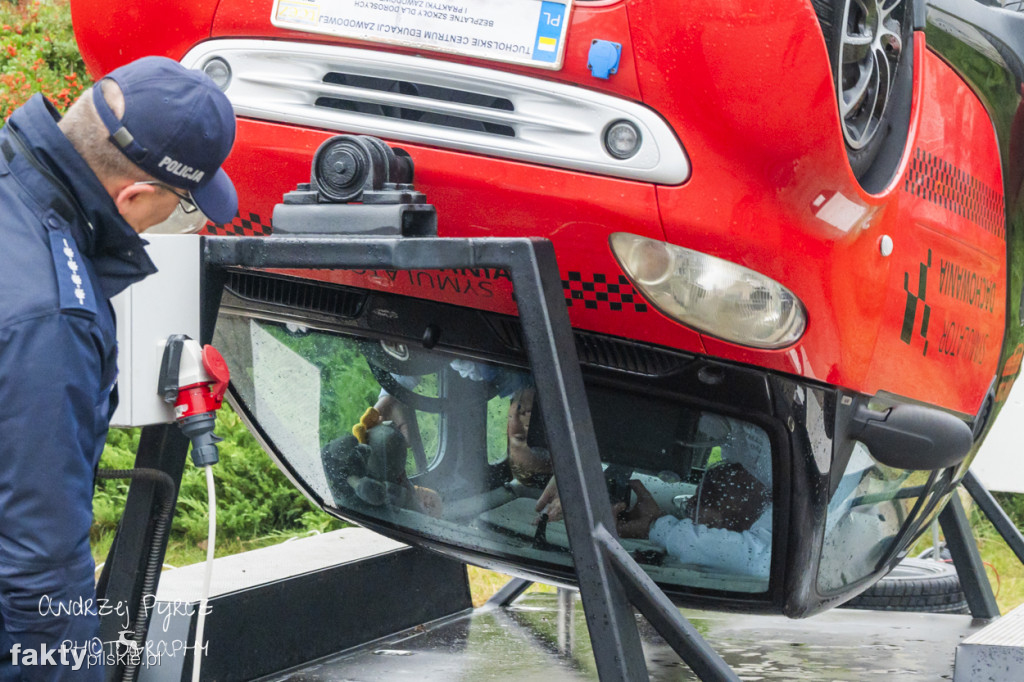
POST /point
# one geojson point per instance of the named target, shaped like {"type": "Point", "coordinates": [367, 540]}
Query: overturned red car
{"type": "Point", "coordinates": [775, 228]}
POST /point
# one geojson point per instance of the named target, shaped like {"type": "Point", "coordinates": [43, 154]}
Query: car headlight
{"type": "Point", "coordinates": [711, 295]}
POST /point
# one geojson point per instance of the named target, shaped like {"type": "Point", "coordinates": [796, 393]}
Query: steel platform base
{"type": "Point", "coordinates": [995, 653]}
{"type": "Point", "coordinates": [543, 637]}
{"type": "Point", "coordinates": [281, 606]}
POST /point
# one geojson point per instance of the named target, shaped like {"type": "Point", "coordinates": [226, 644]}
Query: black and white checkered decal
{"type": "Point", "coordinates": [595, 292]}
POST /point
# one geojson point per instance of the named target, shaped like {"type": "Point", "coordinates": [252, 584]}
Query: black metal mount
{"type": "Point", "coordinates": [361, 186]}
{"type": "Point", "coordinates": [995, 514]}
{"type": "Point", "coordinates": [964, 549]}
{"type": "Point", "coordinates": [967, 560]}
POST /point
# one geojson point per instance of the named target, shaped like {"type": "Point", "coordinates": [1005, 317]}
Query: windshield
{"type": "Point", "coordinates": [454, 449]}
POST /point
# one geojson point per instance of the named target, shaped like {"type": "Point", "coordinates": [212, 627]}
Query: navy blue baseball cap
{"type": "Point", "coordinates": [177, 126]}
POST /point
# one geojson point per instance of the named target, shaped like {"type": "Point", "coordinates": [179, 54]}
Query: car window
{"type": "Point", "coordinates": [455, 449]}
{"type": "Point", "coordinates": [869, 507]}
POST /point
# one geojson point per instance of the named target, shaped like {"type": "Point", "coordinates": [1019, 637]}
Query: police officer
{"type": "Point", "coordinates": [142, 148]}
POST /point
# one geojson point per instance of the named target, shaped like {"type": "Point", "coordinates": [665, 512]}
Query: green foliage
{"type": "Point", "coordinates": [1005, 571]}
{"type": "Point", "coordinates": [38, 53]}
{"type": "Point", "coordinates": [346, 386]}
{"type": "Point", "coordinates": [108, 501]}
{"type": "Point", "coordinates": [253, 497]}
{"type": "Point", "coordinates": [497, 429]}
{"type": "Point", "coordinates": [1013, 505]}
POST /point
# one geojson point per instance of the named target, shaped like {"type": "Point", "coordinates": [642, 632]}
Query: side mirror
{"type": "Point", "coordinates": [912, 436]}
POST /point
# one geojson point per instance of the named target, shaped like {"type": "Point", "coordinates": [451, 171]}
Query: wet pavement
{"type": "Point", "coordinates": [542, 637]}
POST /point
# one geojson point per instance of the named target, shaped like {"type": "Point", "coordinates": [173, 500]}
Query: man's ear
{"type": "Point", "coordinates": [127, 193]}
{"type": "Point", "coordinates": [128, 197]}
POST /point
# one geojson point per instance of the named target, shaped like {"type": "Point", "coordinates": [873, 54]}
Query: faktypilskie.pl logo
{"type": "Point", "coordinates": [66, 655]}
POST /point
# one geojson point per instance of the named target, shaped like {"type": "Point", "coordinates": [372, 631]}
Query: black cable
{"type": "Point", "coordinates": [166, 493]}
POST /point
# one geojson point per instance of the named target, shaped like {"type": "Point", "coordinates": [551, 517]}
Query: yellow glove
{"type": "Point", "coordinates": [369, 419]}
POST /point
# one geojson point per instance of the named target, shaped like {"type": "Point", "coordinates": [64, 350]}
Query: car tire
{"type": "Point", "coordinates": [915, 585]}
{"type": "Point", "coordinates": [870, 82]}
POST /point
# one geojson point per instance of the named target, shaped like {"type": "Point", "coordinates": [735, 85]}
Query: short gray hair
{"type": "Point", "coordinates": [91, 139]}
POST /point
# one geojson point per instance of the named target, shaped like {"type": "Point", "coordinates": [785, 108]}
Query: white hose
{"type": "Point", "coordinates": [198, 646]}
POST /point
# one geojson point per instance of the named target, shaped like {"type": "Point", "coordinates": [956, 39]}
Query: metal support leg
{"type": "Point", "coordinates": [509, 592]}
{"type": "Point", "coordinates": [163, 448]}
{"type": "Point", "coordinates": [995, 513]}
{"type": "Point", "coordinates": [964, 550]}
{"type": "Point", "coordinates": [577, 464]}
{"type": "Point", "coordinates": [664, 616]}
{"type": "Point", "coordinates": [566, 632]}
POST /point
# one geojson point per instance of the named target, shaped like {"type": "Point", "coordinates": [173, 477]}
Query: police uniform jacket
{"type": "Point", "coordinates": [64, 251]}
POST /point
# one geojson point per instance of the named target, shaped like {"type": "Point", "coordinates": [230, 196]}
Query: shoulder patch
{"type": "Point", "coordinates": [75, 289]}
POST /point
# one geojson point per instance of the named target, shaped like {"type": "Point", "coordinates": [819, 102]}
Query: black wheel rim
{"type": "Point", "coordinates": [870, 47]}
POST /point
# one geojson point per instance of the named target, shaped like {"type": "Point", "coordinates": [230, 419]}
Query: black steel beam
{"type": "Point", "coordinates": [575, 458]}
{"type": "Point", "coordinates": [509, 592]}
{"type": "Point", "coordinates": [995, 513]}
{"type": "Point", "coordinates": [684, 639]}
{"type": "Point", "coordinates": [964, 550]}
{"type": "Point", "coordinates": [164, 448]}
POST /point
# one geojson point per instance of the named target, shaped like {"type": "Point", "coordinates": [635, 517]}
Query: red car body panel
{"type": "Point", "coordinates": [110, 36]}
{"type": "Point", "coordinates": [770, 190]}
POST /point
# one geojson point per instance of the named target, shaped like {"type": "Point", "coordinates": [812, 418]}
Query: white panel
{"type": "Point", "coordinates": [999, 464]}
{"type": "Point", "coordinates": [163, 304]}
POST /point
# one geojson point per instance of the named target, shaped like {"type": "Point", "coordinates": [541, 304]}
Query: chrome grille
{"type": "Point", "coordinates": [444, 104]}
{"type": "Point", "coordinates": [412, 112]}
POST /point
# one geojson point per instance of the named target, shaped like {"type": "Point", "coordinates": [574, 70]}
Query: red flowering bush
{"type": "Point", "coordinates": [38, 53]}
